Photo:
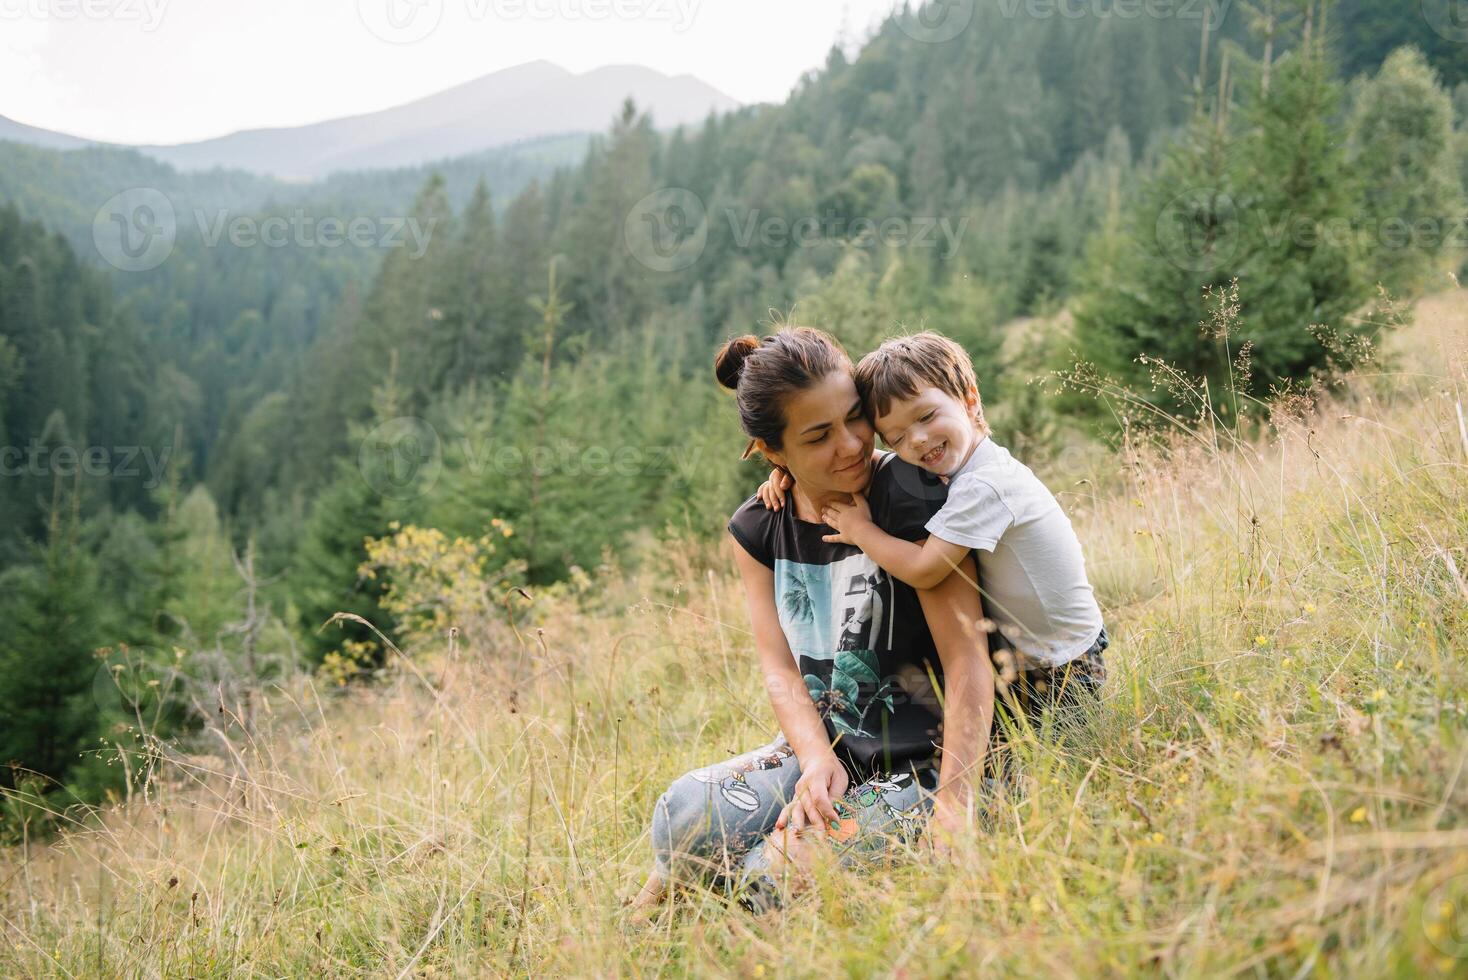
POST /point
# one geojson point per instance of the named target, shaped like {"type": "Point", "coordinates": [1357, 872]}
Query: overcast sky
{"type": "Point", "coordinates": [168, 71]}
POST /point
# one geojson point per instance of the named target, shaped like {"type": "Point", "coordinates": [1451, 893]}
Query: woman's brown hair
{"type": "Point", "coordinates": [764, 373]}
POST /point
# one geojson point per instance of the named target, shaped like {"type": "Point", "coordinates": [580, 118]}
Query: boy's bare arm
{"type": "Point", "coordinates": [922, 566]}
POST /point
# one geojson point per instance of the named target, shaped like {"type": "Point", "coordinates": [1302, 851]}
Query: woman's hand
{"type": "Point", "coordinates": [847, 519]}
{"type": "Point", "coordinates": [821, 782]}
{"type": "Point", "coordinates": [772, 492]}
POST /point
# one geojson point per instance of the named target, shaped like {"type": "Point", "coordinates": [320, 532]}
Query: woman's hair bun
{"type": "Point", "coordinates": [729, 361]}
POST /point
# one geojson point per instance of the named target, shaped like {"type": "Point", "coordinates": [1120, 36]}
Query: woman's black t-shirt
{"type": "Point", "coordinates": [858, 634]}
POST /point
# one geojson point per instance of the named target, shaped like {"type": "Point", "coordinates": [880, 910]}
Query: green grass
{"type": "Point", "coordinates": [1274, 784]}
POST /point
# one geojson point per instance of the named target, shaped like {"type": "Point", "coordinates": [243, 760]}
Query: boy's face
{"type": "Point", "coordinates": [932, 429]}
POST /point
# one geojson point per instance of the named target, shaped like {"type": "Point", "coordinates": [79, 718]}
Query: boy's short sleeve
{"type": "Point", "coordinates": [975, 515]}
{"type": "Point", "coordinates": [753, 526]}
{"type": "Point", "coordinates": [904, 497]}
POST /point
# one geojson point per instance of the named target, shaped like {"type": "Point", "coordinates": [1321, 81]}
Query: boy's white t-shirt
{"type": "Point", "coordinates": [1032, 571]}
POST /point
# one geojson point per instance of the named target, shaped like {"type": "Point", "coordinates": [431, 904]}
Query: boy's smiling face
{"type": "Point", "coordinates": [932, 429]}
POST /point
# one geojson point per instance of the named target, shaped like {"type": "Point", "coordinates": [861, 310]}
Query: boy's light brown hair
{"type": "Point", "coordinates": [904, 366]}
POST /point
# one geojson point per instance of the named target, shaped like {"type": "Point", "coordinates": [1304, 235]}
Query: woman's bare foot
{"type": "Point", "coordinates": [794, 852]}
{"type": "Point", "coordinates": [643, 905]}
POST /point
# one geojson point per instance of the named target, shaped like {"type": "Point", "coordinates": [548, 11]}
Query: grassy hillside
{"type": "Point", "coordinates": [1274, 784]}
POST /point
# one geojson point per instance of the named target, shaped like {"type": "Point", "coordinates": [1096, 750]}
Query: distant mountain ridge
{"type": "Point", "coordinates": [520, 103]}
{"type": "Point", "coordinates": [17, 132]}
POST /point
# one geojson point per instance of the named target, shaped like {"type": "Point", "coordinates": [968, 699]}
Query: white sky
{"type": "Point", "coordinates": [168, 71]}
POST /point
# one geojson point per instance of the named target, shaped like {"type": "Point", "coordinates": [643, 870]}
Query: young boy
{"type": "Point", "coordinates": [923, 400]}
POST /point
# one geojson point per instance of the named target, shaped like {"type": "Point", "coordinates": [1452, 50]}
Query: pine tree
{"type": "Point", "coordinates": [1144, 284]}
{"type": "Point", "coordinates": [208, 596]}
{"type": "Point", "coordinates": [1300, 263]}
{"type": "Point", "coordinates": [1402, 149]}
{"type": "Point", "coordinates": [362, 501]}
{"type": "Point", "coordinates": [24, 325]}
{"type": "Point", "coordinates": [47, 666]}
{"type": "Point", "coordinates": [480, 335]}
{"type": "Point", "coordinates": [1262, 196]}
{"type": "Point", "coordinates": [609, 286]}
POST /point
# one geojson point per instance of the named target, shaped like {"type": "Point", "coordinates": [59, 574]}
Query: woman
{"type": "Point", "coordinates": [884, 694]}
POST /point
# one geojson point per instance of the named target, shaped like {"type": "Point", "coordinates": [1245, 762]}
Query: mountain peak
{"type": "Point", "coordinates": [520, 102]}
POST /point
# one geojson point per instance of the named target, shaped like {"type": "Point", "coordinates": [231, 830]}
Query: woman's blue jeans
{"type": "Point", "coordinates": [712, 822]}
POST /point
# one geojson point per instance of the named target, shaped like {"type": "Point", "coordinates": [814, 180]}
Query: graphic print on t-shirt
{"type": "Point", "coordinates": [828, 613]}
{"type": "Point", "coordinates": [859, 638]}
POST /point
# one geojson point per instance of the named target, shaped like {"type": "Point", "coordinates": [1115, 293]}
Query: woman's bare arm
{"type": "Point", "coordinates": [822, 774]}
{"type": "Point", "coordinates": [953, 612]}
{"type": "Point", "coordinates": [799, 719]}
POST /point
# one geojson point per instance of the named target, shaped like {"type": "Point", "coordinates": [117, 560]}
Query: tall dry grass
{"type": "Point", "coordinates": [1274, 784]}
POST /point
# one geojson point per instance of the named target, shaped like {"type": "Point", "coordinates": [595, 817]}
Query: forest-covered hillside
{"type": "Point", "coordinates": [520, 362]}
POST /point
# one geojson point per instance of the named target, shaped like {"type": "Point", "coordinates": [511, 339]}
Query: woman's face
{"type": "Point", "coordinates": [827, 441]}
